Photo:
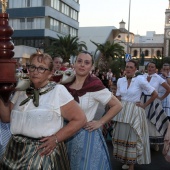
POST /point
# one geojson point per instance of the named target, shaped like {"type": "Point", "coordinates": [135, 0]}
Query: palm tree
{"type": "Point", "coordinates": [109, 51]}
{"type": "Point", "coordinates": [66, 46]}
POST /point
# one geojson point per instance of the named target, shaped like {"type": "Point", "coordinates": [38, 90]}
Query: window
{"type": "Point", "coordinates": [146, 53]}
{"type": "Point", "coordinates": [65, 9]}
{"type": "Point", "coordinates": [158, 53]}
{"type": "Point", "coordinates": [30, 23]}
{"type": "Point", "coordinates": [54, 25]}
{"type": "Point", "coordinates": [38, 43]}
{"type": "Point", "coordinates": [64, 28]}
{"type": "Point", "coordinates": [39, 23]}
{"type": "Point", "coordinates": [73, 32]}
{"type": "Point", "coordinates": [135, 54]}
{"type": "Point", "coordinates": [28, 3]}
{"type": "Point", "coordinates": [27, 23]}
{"type": "Point", "coordinates": [22, 23]}
{"type": "Point", "coordinates": [55, 4]}
{"type": "Point", "coordinates": [74, 14]}
{"type": "Point", "coordinates": [25, 3]}
{"type": "Point", "coordinates": [14, 23]}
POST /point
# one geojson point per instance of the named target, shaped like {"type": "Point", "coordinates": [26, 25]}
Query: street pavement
{"type": "Point", "coordinates": [157, 160]}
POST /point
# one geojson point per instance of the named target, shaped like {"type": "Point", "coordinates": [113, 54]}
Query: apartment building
{"type": "Point", "coordinates": [37, 22]}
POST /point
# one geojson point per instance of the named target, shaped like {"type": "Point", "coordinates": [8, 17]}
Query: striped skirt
{"type": "Point", "coordinates": [5, 135]}
{"type": "Point", "coordinates": [21, 153]}
{"type": "Point", "coordinates": [157, 120]}
{"type": "Point", "coordinates": [166, 104]}
{"type": "Point", "coordinates": [88, 151]}
{"type": "Point", "coordinates": [130, 136]}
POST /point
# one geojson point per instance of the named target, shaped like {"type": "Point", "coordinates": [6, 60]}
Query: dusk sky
{"type": "Point", "coordinates": [145, 15]}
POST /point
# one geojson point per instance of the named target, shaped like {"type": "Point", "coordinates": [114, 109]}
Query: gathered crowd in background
{"type": "Point", "coordinates": [50, 124]}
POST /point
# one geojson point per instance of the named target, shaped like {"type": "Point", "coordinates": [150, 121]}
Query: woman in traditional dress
{"type": "Point", "coordinates": [130, 132]}
{"type": "Point", "coordinates": [156, 116]}
{"type": "Point", "coordinates": [165, 74]}
{"type": "Point", "coordinates": [36, 117]}
{"type": "Point", "coordinates": [87, 149]}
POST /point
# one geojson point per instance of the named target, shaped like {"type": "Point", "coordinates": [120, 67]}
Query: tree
{"type": "Point", "coordinates": [166, 60]}
{"type": "Point", "coordinates": [109, 51]}
{"type": "Point", "coordinates": [158, 61]}
{"type": "Point", "coordinates": [66, 46]}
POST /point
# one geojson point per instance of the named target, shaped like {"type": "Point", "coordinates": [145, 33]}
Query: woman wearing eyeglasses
{"type": "Point", "coordinates": [36, 117]}
{"type": "Point", "coordinates": [87, 149]}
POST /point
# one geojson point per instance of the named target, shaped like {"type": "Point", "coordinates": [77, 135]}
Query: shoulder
{"type": "Point", "coordinates": [140, 77]}
{"type": "Point", "coordinates": [141, 80]}
{"type": "Point", "coordinates": [60, 87]}
{"type": "Point", "coordinates": [161, 79]}
{"type": "Point", "coordinates": [61, 91]}
{"type": "Point", "coordinates": [121, 79]}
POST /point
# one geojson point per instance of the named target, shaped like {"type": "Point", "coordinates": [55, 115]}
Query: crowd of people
{"type": "Point", "coordinates": [51, 125]}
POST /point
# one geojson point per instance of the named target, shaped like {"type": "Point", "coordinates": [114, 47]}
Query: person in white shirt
{"type": "Point", "coordinates": [165, 74]}
{"type": "Point", "coordinates": [156, 116]}
{"type": "Point", "coordinates": [37, 121]}
{"type": "Point", "coordinates": [109, 74]}
{"type": "Point", "coordinates": [130, 136]}
{"type": "Point", "coordinates": [87, 149]}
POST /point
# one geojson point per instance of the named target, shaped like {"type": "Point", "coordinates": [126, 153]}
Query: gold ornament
{"type": "Point", "coordinates": [4, 5]}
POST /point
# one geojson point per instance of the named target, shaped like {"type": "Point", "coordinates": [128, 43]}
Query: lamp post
{"type": "Point", "coordinates": [128, 27]}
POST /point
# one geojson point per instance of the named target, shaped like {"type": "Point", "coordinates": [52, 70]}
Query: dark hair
{"type": "Point", "coordinates": [134, 62]}
{"type": "Point", "coordinates": [166, 64]}
{"type": "Point", "coordinates": [86, 52]}
{"type": "Point", "coordinates": [42, 58]}
{"type": "Point", "coordinates": [58, 57]}
{"type": "Point", "coordinates": [152, 62]}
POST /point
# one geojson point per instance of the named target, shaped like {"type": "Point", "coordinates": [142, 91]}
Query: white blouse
{"type": "Point", "coordinates": [134, 91]}
{"type": "Point", "coordinates": [41, 121]}
{"type": "Point", "coordinates": [155, 81]}
{"type": "Point", "coordinates": [90, 101]}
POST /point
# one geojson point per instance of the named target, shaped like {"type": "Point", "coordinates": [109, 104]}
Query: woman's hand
{"type": "Point", "coordinates": [49, 144]}
{"type": "Point", "coordinates": [139, 104]}
{"type": "Point", "coordinates": [93, 125]}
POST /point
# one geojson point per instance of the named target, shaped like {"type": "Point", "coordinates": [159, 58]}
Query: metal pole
{"type": "Point", "coordinates": [128, 28]}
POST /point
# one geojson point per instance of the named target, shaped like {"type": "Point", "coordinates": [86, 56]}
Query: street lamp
{"type": "Point", "coordinates": [128, 28]}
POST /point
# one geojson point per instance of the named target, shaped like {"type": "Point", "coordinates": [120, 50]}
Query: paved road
{"type": "Point", "coordinates": [157, 160]}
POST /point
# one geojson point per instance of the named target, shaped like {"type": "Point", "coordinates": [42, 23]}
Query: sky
{"type": "Point", "coordinates": [145, 15]}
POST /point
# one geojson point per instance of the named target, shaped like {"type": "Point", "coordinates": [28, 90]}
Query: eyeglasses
{"type": "Point", "coordinates": [32, 68]}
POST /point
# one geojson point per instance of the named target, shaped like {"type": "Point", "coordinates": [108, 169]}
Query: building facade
{"type": "Point", "coordinates": [37, 22]}
{"type": "Point", "coordinates": [151, 45]}
{"type": "Point", "coordinates": [167, 32]}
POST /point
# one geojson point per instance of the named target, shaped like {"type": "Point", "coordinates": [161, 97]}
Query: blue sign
{"type": "Point", "coordinates": [128, 57]}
